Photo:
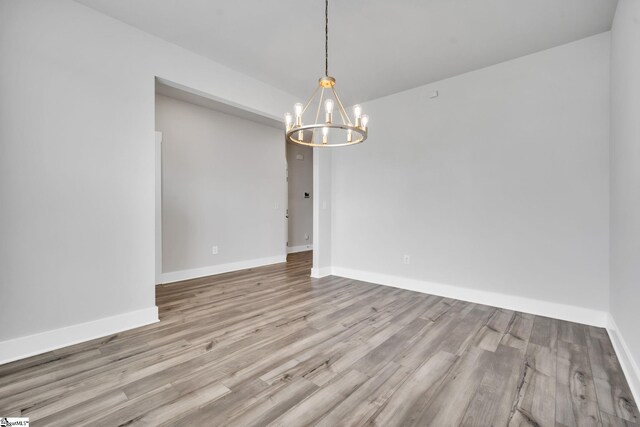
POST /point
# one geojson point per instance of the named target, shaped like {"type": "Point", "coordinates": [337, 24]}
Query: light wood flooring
{"type": "Point", "coordinates": [271, 346]}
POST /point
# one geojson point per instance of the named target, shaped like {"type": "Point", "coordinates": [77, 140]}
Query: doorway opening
{"type": "Point", "coordinates": [299, 201]}
{"type": "Point", "coordinates": [221, 193]}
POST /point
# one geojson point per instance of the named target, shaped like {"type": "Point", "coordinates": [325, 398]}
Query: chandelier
{"type": "Point", "coordinates": [326, 129]}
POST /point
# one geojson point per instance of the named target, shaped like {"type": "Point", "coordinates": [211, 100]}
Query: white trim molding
{"type": "Point", "coordinates": [178, 276]}
{"type": "Point", "coordinates": [31, 345]}
{"type": "Point", "coordinates": [630, 366]}
{"type": "Point", "coordinates": [555, 310]}
{"type": "Point", "coordinates": [321, 272]}
{"type": "Point", "coordinates": [158, 199]}
{"type": "Point", "coordinates": [302, 248]}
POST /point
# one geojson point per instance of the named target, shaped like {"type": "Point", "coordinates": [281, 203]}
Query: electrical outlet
{"type": "Point", "coordinates": [214, 250]}
{"type": "Point", "coordinates": [406, 259]}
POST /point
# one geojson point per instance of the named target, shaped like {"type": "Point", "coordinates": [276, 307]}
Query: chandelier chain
{"type": "Point", "coordinates": [326, 37]}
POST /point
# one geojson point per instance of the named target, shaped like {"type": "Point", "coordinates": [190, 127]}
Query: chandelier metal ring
{"type": "Point", "coordinates": [361, 135]}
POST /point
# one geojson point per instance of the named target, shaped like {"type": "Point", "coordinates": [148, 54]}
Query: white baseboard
{"type": "Point", "coordinates": [177, 276]}
{"type": "Point", "coordinates": [318, 273]}
{"type": "Point", "coordinates": [302, 248]}
{"type": "Point", "coordinates": [555, 310]}
{"type": "Point", "coordinates": [630, 366]}
{"type": "Point", "coordinates": [31, 345]}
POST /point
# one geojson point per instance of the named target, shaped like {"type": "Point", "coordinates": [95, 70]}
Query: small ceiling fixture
{"type": "Point", "coordinates": [327, 132]}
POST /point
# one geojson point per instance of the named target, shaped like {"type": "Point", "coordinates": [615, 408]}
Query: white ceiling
{"type": "Point", "coordinates": [376, 47]}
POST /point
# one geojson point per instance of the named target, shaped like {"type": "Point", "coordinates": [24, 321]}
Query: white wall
{"type": "Point", "coordinates": [223, 184]}
{"type": "Point", "coordinates": [625, 186]}
{"type": "Point", "coordinates": [77, 165]}
{"type": "Point", "coordinates": [498, 186]}
{"type": "Point", "coordinates": [300, 209]}
{"type": "Point", "coordinates": [322, 211]}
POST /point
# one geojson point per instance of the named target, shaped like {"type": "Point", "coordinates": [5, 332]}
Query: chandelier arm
{"type": "Point", "coordinates": [341, 110]}
{"type": "Point", "coordinates": [319, 106]}
{"type": "Point", "coordinates": [313, 95]}
{"type": "Point", "coordinates": [341, 107]}
{"type": "Point", "coordinates": [344, 122]}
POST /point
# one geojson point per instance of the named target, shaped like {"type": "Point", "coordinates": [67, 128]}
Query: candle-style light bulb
{"type": "Point", "coordinates": [288, 120]}
{"type": "Point", "coordinates": [349, 136]}
{"type": "Point", "coordinates": [365, 120]}
{"type": "Point", "coordinates": [325, 135]}
{"type": "Point", "coordinates": [328, 107]}
{"type": "Point", "coordinates": [298, 110]}
{"type": "Point", "coordinates": [357, 112]}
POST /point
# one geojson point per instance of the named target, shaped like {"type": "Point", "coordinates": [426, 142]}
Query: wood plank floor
{"type": "Point", "coordinates": [271, 346]}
